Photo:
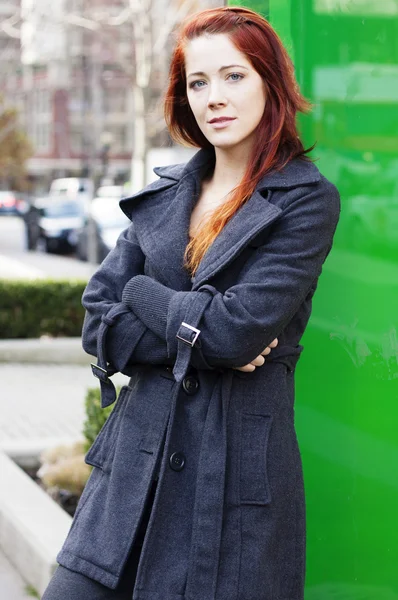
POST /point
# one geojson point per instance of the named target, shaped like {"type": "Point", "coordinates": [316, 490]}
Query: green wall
{"type": "Point", "coordinates": [346, 59]}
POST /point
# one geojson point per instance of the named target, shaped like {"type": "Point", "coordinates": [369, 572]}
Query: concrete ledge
{"type": "Point", "coordinates": [32, 526]}
{"type": "Point", "coordinates": [44, 350]}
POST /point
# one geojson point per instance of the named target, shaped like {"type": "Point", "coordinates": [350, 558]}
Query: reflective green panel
{"type": "Point", "coordinates": [258, 5]}
{"type": "Point", "coordinates": [346, 58]}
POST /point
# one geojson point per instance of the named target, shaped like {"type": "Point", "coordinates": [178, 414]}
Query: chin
{"type": "Point", "coordinates": [225, 144]}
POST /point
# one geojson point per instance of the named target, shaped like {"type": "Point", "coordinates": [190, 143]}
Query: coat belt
{"type": "Point", "coordinates": [209, 496]}
{"type": "Point", "coordinates": [188, 333]}
{"type": "Point", "coordinates": [288, 355]}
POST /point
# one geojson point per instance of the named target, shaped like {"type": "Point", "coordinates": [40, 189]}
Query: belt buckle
{"type": "Point", "coordinates": [100, 373]}
{"type": "Point", "coordinates": [195, 337]}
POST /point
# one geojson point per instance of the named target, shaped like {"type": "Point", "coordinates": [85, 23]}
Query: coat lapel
{"type": "Point", "coordinates": [256, 214]}
{"type": "Point", "coordinates": [161, 215]}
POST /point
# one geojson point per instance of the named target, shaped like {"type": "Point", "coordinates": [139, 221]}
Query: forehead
{"type": "Point", "coordinates": [208, 53]}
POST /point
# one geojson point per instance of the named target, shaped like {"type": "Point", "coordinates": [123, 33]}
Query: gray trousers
{"type": "Point", "coordinates": [74, 586]}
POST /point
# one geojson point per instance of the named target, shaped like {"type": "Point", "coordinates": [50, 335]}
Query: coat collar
{"type": "Point", "coordinates": [296, 172]}
{"type": "Point", "coordinates": [162, 220]}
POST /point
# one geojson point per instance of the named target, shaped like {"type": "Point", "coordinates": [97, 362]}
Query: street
{"type": "Point", "coordinates": [18, 263]}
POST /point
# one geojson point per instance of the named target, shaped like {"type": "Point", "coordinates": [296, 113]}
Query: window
{"type": "Point", "coordinates": [41, 136]}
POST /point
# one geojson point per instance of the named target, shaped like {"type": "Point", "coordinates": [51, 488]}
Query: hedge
{"type": "Point", "coordinates": [30, 309]}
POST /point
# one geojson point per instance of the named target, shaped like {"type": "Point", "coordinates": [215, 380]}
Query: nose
{"type": "Point", "coordinates": [216, 96]}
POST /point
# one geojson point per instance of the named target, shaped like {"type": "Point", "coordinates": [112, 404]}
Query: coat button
{"type": "Point", "coordinates": [177, 461]}
{"type": "Point", "coordinates": [190, 385]}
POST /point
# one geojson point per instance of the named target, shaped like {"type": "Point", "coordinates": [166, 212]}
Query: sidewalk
{"type": "Point", "coordinates": [42, 405]}
{"type": "Point", "coordinates": [12, 586]}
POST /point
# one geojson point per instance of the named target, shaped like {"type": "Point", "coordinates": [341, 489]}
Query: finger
{"type": "Point", "coordinates": [274, 343]}
{"type": "Point", "coordinates": [246, 368]}
{"type": "Point", "coordinates": [258, 361]}
{"type": "Point", "coordinates": [266, 351]}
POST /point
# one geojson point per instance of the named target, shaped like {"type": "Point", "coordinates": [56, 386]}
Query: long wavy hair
{"type": "Point", "coordinates": [277, 141]}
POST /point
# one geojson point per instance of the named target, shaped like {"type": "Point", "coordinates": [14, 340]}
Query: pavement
{"type": "Point", "coordinates": [33, 265]}
{"type": "Point", "coordinates": [12, 586]}
{"type": "Point", "coordinates": [42, 405]}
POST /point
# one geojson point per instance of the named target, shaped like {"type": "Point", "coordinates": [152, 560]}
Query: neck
{"type": "Point", "coordinates": [230, 167]}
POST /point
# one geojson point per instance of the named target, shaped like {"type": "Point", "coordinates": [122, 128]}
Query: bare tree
{"type": "Point", "coordinates": [149, 51]}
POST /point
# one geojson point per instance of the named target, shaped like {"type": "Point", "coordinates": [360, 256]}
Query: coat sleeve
{"type": "Point", "coordinates": [128, 340]}
{"type": "Point", "coordinates": [238, 324]}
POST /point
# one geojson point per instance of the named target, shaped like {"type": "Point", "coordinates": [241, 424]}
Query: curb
{"type": "Point", "coordinates": [32, 526]}
{"type": "Point", "coordinates": [44, 350]}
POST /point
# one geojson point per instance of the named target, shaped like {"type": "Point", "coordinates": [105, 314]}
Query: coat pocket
{"type": "Point", "coordinates": [254, 484]}
{"type": "Point", "coordinates": [101, 451]}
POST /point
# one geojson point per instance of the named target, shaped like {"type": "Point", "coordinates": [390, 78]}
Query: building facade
{"type": "Point", "coordinates": [71, 77]}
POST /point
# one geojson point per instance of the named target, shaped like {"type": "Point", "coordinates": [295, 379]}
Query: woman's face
{"type": "Point", "coordinates": [221, 83]}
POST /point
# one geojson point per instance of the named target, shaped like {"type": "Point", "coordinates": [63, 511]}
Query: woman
{"type": "Point", "coordinates": [199, 462]}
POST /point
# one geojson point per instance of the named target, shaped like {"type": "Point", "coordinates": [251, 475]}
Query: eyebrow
{"type": "Point", "coordinates": [220, 69]}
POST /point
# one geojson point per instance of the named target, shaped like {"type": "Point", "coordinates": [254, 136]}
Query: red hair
{"type": "Point", "coordinates": [277, 141]}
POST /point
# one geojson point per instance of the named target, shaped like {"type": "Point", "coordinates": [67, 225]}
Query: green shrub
{"type": "Point", "coordinates": [31, 591]}
{"type": "Point", "coordinates": [95, 415]}
{"type": "Point", "coordinates": [30, 309]}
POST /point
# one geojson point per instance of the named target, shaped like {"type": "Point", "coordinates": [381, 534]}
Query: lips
{"type": "Point", "coordinates": [222, 119]}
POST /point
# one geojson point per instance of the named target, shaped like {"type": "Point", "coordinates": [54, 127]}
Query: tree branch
{"type": "Point", "coordinates": [8, 26]}
{"type": "Point", "coordinates": [80, 21]}
{"type": "Point", "coordinates": [173, 18]}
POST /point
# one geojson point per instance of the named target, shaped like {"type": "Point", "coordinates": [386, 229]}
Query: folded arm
{"type": "Point", "coordinates": [237, 325]}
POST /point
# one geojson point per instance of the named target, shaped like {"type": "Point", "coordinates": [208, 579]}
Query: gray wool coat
{"type": "Point", "coordinates": [228, 520]}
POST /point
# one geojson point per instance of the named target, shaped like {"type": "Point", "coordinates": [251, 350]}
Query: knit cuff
{"type": "Point", "coordinates": [149, 300]}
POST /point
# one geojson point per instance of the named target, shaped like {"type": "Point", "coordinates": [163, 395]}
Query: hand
{"type": "Point", "coordinates": [259, 360]}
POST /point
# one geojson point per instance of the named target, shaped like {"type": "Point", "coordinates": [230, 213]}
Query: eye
{"type": "Point", "coordinates": [235, 76]}
{"type": "Point", "coordinates": [195, 84]}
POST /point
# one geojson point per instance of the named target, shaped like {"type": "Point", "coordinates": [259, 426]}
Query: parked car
{"type": "Point", "coordinates": [52, 224]}
{"type": "Point", "coordinates": [73, 188]}
{"type": "Point", "coordinates": [110, 191]}
{"type": "Point", "coordinates": [10, 202]}
{"type": "Point", "coordinates": [108, 222]}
